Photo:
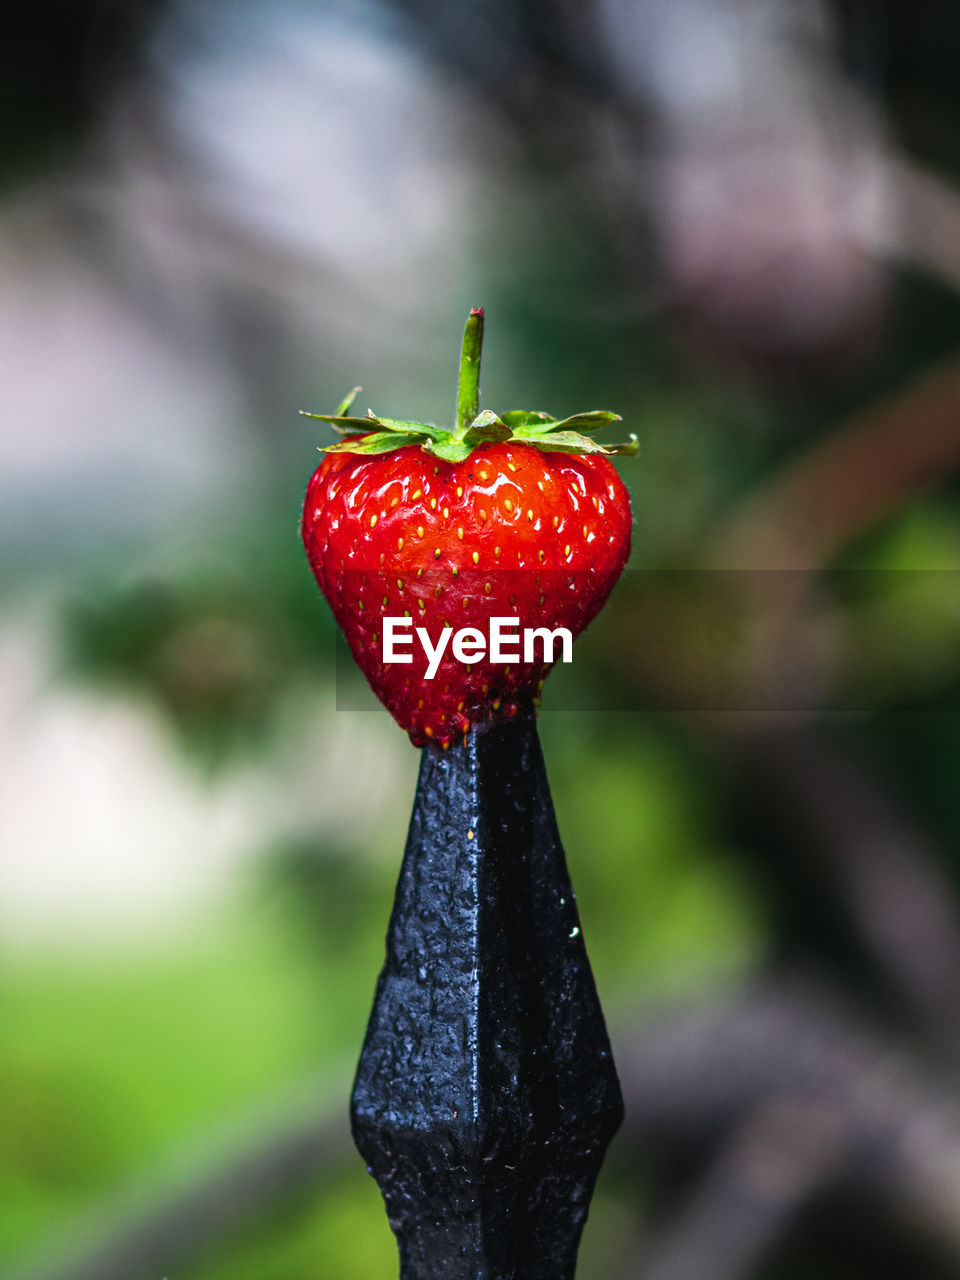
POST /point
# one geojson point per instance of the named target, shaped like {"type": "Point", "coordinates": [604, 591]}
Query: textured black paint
{"type": "Point", "coordinates": [486, 1093]}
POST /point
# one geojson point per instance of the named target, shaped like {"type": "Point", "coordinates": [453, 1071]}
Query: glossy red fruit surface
{"type": "Point", "coordinates": [511, 530]}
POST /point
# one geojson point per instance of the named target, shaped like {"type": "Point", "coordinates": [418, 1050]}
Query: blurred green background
{"type": "Point", "coordinates": [736, 223]}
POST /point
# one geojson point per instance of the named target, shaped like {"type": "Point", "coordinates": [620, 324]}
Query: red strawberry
{"type": "Point", "coordinates": [511, 516]}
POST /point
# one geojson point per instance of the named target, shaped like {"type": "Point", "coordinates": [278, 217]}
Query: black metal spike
{"type": "Point", "coordinates": [486, 1093]}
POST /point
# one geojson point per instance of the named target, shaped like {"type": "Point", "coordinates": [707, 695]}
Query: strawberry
{"type": "Point", "coordinates": [509, 516]}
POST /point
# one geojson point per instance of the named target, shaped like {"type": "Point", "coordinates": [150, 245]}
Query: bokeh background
{"type": "Point", "coordinates": [735, 221]}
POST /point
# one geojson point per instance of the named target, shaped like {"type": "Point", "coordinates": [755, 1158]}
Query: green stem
{"type": "Point", "coordinates": [468, 386]}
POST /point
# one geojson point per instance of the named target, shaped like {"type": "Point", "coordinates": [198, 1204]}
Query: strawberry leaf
{"type": "Point", "coordinates": [565, 442]}
{"type": "Point", "coordinates": [373, 434]}
{"type": "Point", "coordinates": [524, 418]}
{"type": "Point", "coordinates": [342, 424]}
{"type": "Point", "coordinates": [625, 449]}
{"type": "Point", "coordinates": [592, 420]}
{"type": "Point", "coordinates": [344, 407]}
{"type": "Point", "coordinates": [410, 428]}
{"type": "Point", "coordinates": [485, 427]}
{"type": "Point", "coordinates": [447, 448]}
{"type": "Point", "coordinates": [376, 442]}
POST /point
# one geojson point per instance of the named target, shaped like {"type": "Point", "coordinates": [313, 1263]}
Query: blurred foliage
{"type": "Point", "coordinates": [57, 61]}
{"type": "Point", "coordinates": [214, 645]}
{"type": "Point", "coordinates": [694, 873]}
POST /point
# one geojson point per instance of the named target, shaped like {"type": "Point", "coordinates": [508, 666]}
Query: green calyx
{"type": "Point", "coordinates": [374, 434]}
